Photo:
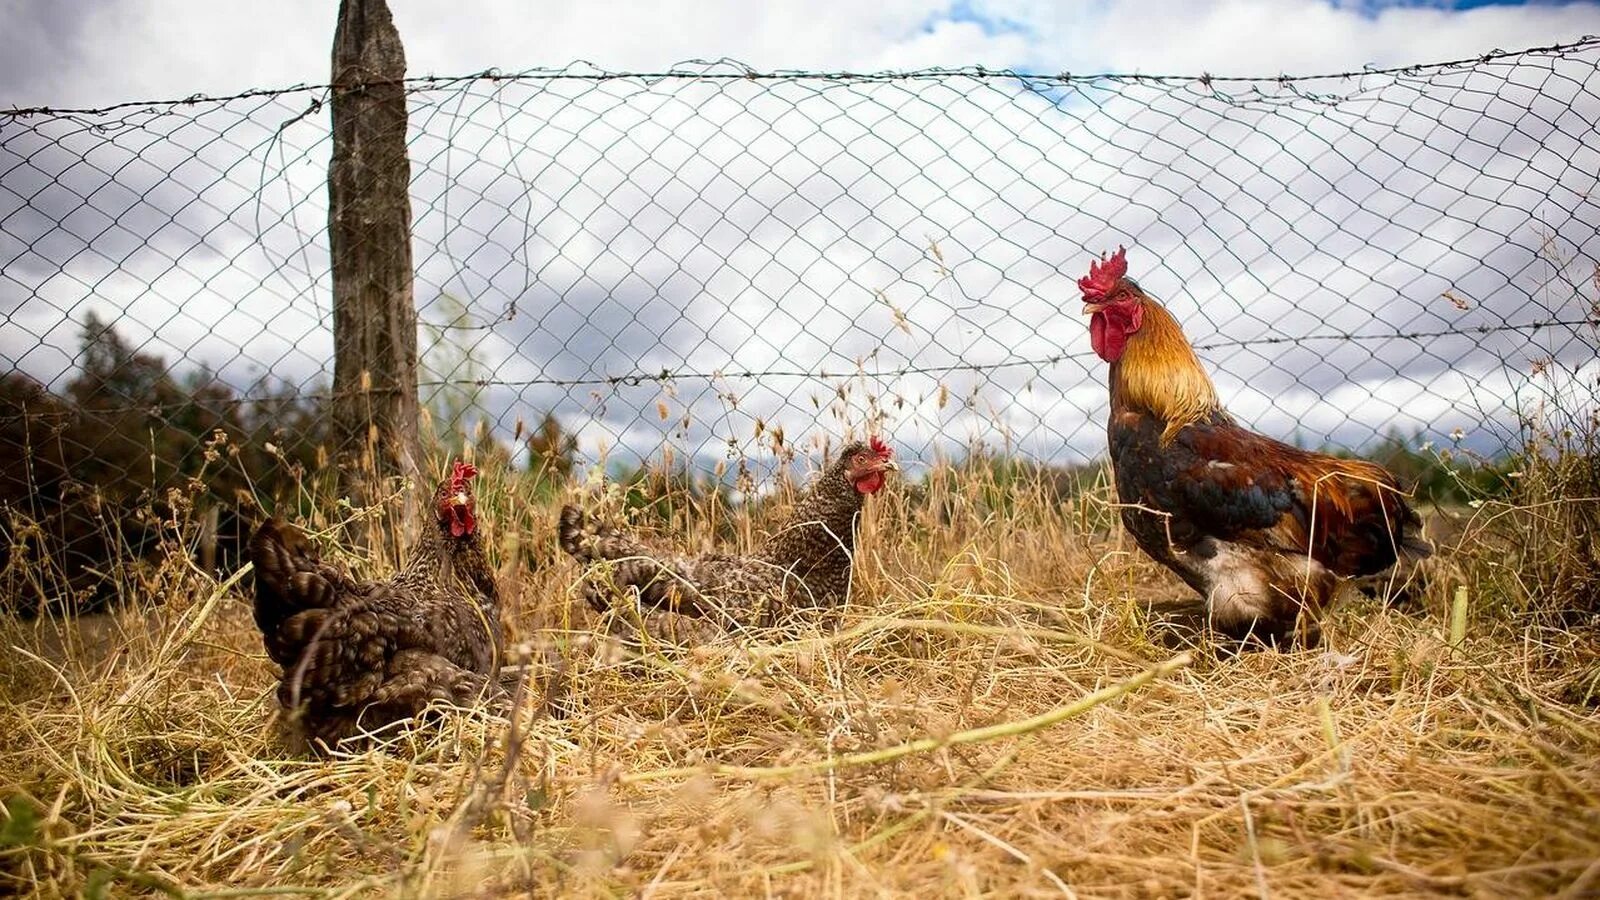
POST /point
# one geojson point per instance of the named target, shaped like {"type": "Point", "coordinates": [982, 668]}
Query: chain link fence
{"type": "Point", "coordinates": [730, 263]}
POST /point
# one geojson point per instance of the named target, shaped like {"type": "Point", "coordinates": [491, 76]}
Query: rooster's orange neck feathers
{"type": "Point", "coordinates": [1159, 374]}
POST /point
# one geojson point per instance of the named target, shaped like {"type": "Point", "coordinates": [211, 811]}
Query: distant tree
{"type": "Point", "coordinates": [104, 462]}
{"type": "Point", "coordinates": [114, 374]}
{"type": "Point", "coordinates": [288, 432]}
{"type": "Point", "coordinates": [452, 370]}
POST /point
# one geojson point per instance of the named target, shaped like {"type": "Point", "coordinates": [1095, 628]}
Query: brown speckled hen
{"type": "Point", "coordinates": [805, 563]}
{"type": "Point", "coordinates": [359, 655]}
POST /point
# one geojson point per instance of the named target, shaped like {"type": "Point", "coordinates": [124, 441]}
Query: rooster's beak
{"type": "Point", "coordinates": [1090, 309]}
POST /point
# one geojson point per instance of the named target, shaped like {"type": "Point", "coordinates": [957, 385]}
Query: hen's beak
{"type": "Point", "coordinates": [1090, 309]}
{"type": "Point", "coordinates": [460, 499]}
{"type": "Point", "coordinates": [890, 465]}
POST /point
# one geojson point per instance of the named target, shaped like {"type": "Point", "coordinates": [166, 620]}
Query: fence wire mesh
{"type": "Point", "coordinates": [710, 257]}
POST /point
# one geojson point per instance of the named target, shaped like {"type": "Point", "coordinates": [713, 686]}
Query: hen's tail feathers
{"type": "Point", "coordinates": [569, 532]}
{"type": "Point", "coordinates": [659, 583]}
{"type": "Point", "coordinates": [588, 540]}
{"type": "Point", "coordinates": [290, 579]}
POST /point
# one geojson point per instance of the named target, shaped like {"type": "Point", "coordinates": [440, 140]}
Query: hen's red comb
{"type": "Point", "coordinates": [1104, 275]}
{"type": "Point", "coordinates": [461, 473]}
{"type": "Point", "coordinates": [880, 448]}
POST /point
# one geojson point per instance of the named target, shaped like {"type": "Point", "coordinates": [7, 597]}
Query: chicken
{"type": "Point", "coordinates": [359, 655]}
{"type": "Point", "coordinates": [1264, 531]}
{"type": "Point", "coordinates": [806, 563]}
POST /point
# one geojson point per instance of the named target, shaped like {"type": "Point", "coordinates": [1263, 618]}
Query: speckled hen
{"type": "Point", "coordinates": [356, 656]}
{"type": "Point", "coordinates": [805, 563]}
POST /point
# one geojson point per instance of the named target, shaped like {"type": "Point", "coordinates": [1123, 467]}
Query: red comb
{"type": "Point", "coordinates": [461, 473]}
{"type": "Point", "coordinates": [1104, 275]}
{"type": "Point", "coordinates": [880, 448]}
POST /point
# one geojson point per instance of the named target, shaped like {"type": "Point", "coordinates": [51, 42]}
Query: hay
{"type": "Point", "coordinates": [995, 714]}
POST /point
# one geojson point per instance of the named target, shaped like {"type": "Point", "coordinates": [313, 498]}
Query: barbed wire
{"type": "Point", "coordinates": [423, 83]}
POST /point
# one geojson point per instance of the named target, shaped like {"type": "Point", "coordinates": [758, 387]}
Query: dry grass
{"type": "Point", "coordinates": [994, 715]}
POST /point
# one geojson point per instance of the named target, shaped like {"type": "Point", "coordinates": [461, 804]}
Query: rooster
{"type": "Point", "coordinates": [1264, 531]}
{"type": "Point", "coordinates": [805, 563]}
{"type": "Point", "coordinates": [359, 655]}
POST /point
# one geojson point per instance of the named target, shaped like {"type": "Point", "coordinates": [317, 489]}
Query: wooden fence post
{"type": "Point", "coordinates": [369, 235]}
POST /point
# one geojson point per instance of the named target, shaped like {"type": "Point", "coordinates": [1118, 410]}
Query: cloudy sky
{"type": "Point", "coordinates": [102, 51]}
{"type": "Point", "coordinates": [905, 230]}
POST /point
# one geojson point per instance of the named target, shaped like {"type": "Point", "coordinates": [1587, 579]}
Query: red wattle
{"type": "Point", "coordinates": [870, 483]}
{"type": "Point", "coordinates": [1107, 339]}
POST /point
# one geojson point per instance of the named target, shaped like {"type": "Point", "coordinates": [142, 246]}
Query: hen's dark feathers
{"type": "Point", "coordinates": [290, 579]}
{"type": "Point", "coordinates": [589, 540]}
{"type": "Point", "coordinates": [356, 656]}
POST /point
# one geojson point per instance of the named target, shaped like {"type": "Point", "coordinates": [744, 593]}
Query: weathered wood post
{"type": "Point", "coordinates": [369, 234]}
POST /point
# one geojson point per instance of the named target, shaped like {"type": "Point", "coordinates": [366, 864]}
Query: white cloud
{"type": "Point", "coordinates": [735, 225]}
{"type": "Point", "coordinates": [1268, 37]}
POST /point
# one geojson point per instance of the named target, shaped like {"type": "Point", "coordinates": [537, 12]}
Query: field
{"type": "Point", "coordinates": [995, 714]}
